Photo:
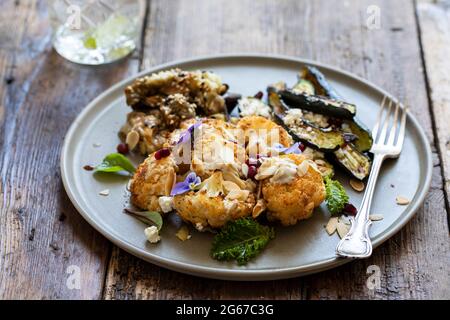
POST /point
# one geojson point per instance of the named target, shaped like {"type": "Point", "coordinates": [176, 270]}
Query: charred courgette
{"type": "Point", "coordinates": [353, 161]}
{"type": "Point", "coordinates": [319, 104]}
{"type": "Point", "coordinates": [321, 86]}
{"type": "Point", "coordinates": [301, 130]}
{"type": "Point", "coordinates": [364, 140]}
{"type": "Point", "coordinates": [304, 86]}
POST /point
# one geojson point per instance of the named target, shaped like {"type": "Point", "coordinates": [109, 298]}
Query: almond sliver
{"type": "Point", "coordinates": [376, 217]}
{"type": "Point", "coordinates": [342, 229]}
{"type": "Point", "coordinates": [402, 200]}
{"type": "Point", "coordinates": [331, 225]}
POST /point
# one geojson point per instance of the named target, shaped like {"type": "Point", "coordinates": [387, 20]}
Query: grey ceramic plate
{"type": "Point", "coordinates": [299, 250]}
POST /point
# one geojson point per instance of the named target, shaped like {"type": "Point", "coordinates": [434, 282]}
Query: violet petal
{"type": "Point", "coordinates": [295, 148]}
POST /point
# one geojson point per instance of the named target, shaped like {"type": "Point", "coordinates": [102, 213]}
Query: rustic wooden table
{"type": "Point", "coordinates": [406, 52]}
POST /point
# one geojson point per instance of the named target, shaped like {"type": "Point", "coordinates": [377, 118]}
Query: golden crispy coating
{"type": "Point", "coordinates": [294, 201]}
{"type": "Point", "coordinates": [203, 211]}
{"type": "Point", "coordinates": [153, 178]}
{"type": "Point", "coordinates": [267, 133]}
{"type": "Point", "coordinates": [215, 147]}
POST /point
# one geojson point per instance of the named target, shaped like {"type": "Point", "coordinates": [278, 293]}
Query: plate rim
{"type": "Point", "coordinates": [240, 274]}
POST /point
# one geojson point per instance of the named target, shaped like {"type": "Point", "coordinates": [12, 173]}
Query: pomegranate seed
{"type": "Point", "coordinates": [259, 95]}
{"type": "Point", "coordinates": [302, 147]}
{"type": "Point", "coordinates": [350, 209]}
{"type": "Point", "coordinates": [88, 168]}
{"type": "Point", "coordinates": [251, 172]}
{"type": "Point", "coordinates": [122, 148]}
{"type": "Point", "coordinates": [162, 153]}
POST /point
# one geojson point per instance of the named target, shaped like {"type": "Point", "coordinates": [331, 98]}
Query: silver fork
{"type": "Point", "coordinates": [388, 135]}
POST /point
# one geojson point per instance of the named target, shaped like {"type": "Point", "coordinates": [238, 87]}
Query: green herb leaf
{"type": "Point", "coordinates": [337, 197]}
{"type": "Point", "coordinates": [90, 43]}
{"type": "Point", "coordinates": [149, 217]}
{"type": "Point", "coordinates": [241, 240]}
{"type": "Point", "coordinates": [115, 162]}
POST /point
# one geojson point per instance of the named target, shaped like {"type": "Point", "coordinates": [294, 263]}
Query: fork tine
{"type": "Point", "coordinates": [393, 132]}
{"type": "Point", "coordinates": [377, 124]}
{"type": "Point", "coordinates": [385, 124]}
{"type": "Point", "coordinates": [401, 134]}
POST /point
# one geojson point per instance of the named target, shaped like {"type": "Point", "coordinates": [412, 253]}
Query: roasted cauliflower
{"type": "Point", "coordinates": [153, 179]}
{"type": "Point", "coordinates": [216, 202]}
{"type": "Point", "coordinates": [261, 133]}
{"type": "Point", "coordinates": [291, 188]}
{"type": "Point", "coordinates": [162, 101]}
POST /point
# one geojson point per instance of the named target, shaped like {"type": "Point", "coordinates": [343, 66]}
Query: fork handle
{"type": "Point", "coordinates": [357, 242]}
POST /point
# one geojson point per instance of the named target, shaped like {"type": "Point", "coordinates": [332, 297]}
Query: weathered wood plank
{"type": "Point", "coordinates": [414, 263]}
{"type": "Point", "coordinates": [434, 25]}
{"type": "Point", "coordinates": [41, 233]}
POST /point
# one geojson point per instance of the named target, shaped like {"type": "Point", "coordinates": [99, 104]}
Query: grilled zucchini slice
{"type": "Point", "coordinates": [304, 86]}
{"type": "Point", "coordinates": [364, 139]}
{"type": "Point", "coordinates": [301, 130]}
{"type": "Point", "coordinates": [319, 104]}
{"type": "Point", "coordinates": [320, 84]}
{"type": "Point", "coordinates": [353, 161]}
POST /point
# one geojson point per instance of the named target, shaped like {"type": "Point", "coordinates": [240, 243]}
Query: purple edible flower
{"type": "Point", "coordinates": [190, 183]}
{"type": "Point", "coordinates": [295, 148]}
{"type": "Point", "coordinates": [186, 135]}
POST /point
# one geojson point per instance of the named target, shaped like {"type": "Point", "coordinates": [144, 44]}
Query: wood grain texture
{"type": "Point", "coordinates": [414, 263]}
{"type": "Point", "coordinates": [434, 21]}
{"type": "Point", "coordinates": [41, 233]}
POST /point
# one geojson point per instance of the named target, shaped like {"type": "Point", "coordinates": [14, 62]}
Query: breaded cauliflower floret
{"type": "Point", "coordinates": [216, 203]}
{"type": "Point", "coordinates": [202, 88]}
{"type": "Point", "coordinates": [214, 147]}
{"type": "Point", "coordinates": [295, 200]}
{"type": "Point", "coordinates": [261, 134]}
{"type": "Point", "coordinates": [153, 179]}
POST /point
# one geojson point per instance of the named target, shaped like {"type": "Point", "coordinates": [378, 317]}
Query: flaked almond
{"type": "Point", "coordinates": [230, 186]}
{"type": "Point", "coordinates": [345, 220]}
{"type": "Point", "coordinates": [376, 217]}
{"type": "Point", "coordinates": [331, 225]}
{"type": "Point", "coordinates": [302, 168]}
{"type": "Point", "coordinates": [402, 200]}
{"type": "Point", "coordinates": [241, 195]}
{"type": "Point", "coordinates": [183, 233]}
{"type": "Point", "coordinates": [130, 182]}
{"type": "Point", "coordinates": [104, 192]}
{"type": "Point", "coordinates": [357, 185]}
{"type": "Point", "coordinates": [342, 229]}
{"type": "Point", "coordinates": [132, 139]}
{"type": "Point", "coordinates": [259, 208]}
{"type": "Point", "coordinates": [244, 169]}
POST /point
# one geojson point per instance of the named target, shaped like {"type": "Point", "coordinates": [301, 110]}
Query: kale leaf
{"type": "Point", "coordinates": [337, 197]}
{"type": "Point", "coordinates": [241, 240]}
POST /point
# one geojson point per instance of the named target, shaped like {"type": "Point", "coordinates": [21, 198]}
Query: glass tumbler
{"type": "Point", "coordinates": [95, 32]}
